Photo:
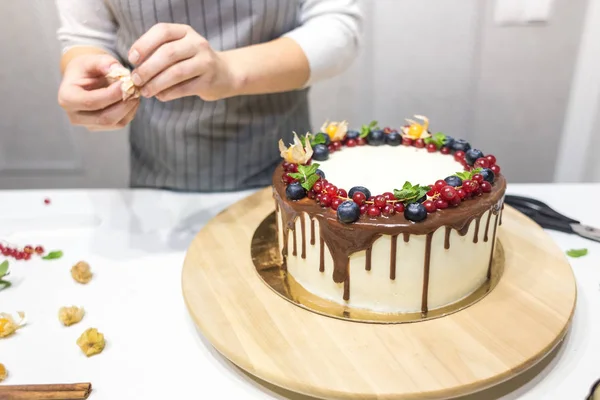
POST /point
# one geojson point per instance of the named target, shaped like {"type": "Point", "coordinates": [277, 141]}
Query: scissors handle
{"type": "Point", "coordinates": [541, 213]}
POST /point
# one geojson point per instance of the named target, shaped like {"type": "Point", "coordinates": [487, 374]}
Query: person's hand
{"type": "Point", "coordinates": [174, 61]}
{"type": "Point", "coordinates": [89, 100]}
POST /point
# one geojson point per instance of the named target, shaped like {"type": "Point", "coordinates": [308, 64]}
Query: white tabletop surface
{"type": "Point", "coordinates": [135, 242]}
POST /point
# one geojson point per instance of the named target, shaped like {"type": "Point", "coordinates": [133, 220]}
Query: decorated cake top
{"type": "Point", "coordinates": [306, 181]}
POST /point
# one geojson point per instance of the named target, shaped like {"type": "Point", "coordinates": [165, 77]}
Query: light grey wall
{"type": "Point", "coordinates": [503, 88]}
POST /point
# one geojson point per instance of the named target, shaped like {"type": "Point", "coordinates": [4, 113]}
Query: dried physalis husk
{"type": "Point", "coordinates": [297, 153]}
{"type": "Point", "coordinates": [127, 86]}
{"type": "Point", "coordinates": [91, 342]}
{"type": "Point", "coordinates": [9, 325]}
{"type": "Point", "coordinates": [3, 372]}
{"type": "Point", "coordinates": [70, 315]}
{"type": "Point", "coordinates": [81, 272]}
{"type": "Point", "coordinates": [335, 130]}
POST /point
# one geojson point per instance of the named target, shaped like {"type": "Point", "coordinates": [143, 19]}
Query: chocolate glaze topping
{"type": "Point", "coordinates": [342, 240]}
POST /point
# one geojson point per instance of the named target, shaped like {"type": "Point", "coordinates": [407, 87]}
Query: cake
{"type": "Point", "coordinates": [384, 220]}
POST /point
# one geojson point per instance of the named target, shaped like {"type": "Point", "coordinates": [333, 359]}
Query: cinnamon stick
{"type": "Point", "coordinates": [72, 391]}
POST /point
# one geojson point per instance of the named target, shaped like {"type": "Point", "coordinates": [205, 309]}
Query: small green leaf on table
{"type": "Point", "coordinates": [3, 268]}
{"type": "Point", "coordinates": [577, 252]}
{"type": "Point", "coordinates": [53, 255]}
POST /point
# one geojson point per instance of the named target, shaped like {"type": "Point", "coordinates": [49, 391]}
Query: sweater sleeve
{"type": "Point", "coordinates": [86, 23]}
{"type": "Point", "coordinates": [329, 34]}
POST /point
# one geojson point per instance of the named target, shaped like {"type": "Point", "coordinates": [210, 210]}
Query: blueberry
{"type": "Point", "coordinates": [348, 212]}
{"type": "Point", "coordinates": [415, 212]}
{"type": "Point", "coordinates": [352, 135]}
{"type": "Point", "coordinates": [362, 189]}
{"type": "Point", "coordinates": [453, 181]}
{"type": "Point", "coordinates": [488, 175]}
{"type": "Point", "coordinates": [327, 139]}
{"type": "Point", "coordinates": [448, 141]}
{"type": "Point", "coordinates": [472, 155]}
{"type": "Point", "coordinates": [295, 191]}
{"type": "Point", "coordinates": [393, 139]}
{"type": "Point", "coordinates": [376, 138]}
{"type": "Point", "coordinates": [320, 152]}
{"type": "Point", "coordinates": [460, 144]}
{"type": "Point", "coordinates": [320, 173]}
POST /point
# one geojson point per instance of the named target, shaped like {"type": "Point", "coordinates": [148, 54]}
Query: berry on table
{"type": "Point", "coordinates": [393, 138]}
{"type": "Point", "coordinates": [488, 175]}
{"type": "Point", "coordinates": [448, 193]}
{"type": "Point", "coordinates": [376, 138]}
{"type": "Point", "coordinates": [453, 180]}
{"type": "Point", "coordinates": [485, 187]}
{"type": "Point", "coordinates": [388, 210]}
{"type": "Point", "coordinates": [431, 148]}
{"type": "Point", "coordinates": [47, 201]}
{"type": "Point", "coordinates": [491, 159]}
{"type": "Point", "coordinates": [28, 249]}
{"type": "Point", "coordinates": [373, 211]}
{"type": "Point", "coordinates": [379, 201]}
{"type": "Point", "coordinates": [320, 152]}
{"type": "Point", "coordinates": [472, 155]}
{"type": "Point", "coordinates": [460, 145]}
{"type": "Point", "coordinates": [429, 206]}
{"type": "Point", "coordinates": [419, 143]}
{"type": "Point", "coordinates": [399, 207]}
{"type": "Point", "coordinates": [415, 212]}
{"type": "Point", "coordinates": [441, 204]}
{"type": "Point", "coordinates": [348, 212]}
{"type": "Point", "coordinates": [27, 256]}
{"type": "Point", "coordinates": [359, 198]}
{"type": "Point", "coordinates": [445, 150]}
{"type": "Point", "coordinates": [295, 191]}
{"type": "Point", "coordinates": [362, 189]}
{"type": "Point", "coordinates": [459, 155]}
{"type": "Point", "coordinates": [40, 249]}
{"type": "Point", "coordinates": [495, 169]}
{"type": "Point", "coordinates": [335, 203]}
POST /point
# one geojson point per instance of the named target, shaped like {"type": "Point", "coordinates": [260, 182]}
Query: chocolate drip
{"type": "Point", "coordinates": [294, 245]}
{"type": "Point", "coordinates": [489, 272]}
{"type": "Point", "coordinates": [487, 227]}
{"type": "Point", "coordinates": [347, 288]}
{"type": "Point", "coordinates": [312, 231]}
{"type": "Point", "coordinates": [501, 212]}
{"type": "Point", "coordinates": [342, 240]}
{"type": "Point", "coordinates": [476, 235]}
{"type": "Point", "coordinates": [447, 238]}
{"type": "Point", "coordinates": [424, 308]}
{"type": "Point", "coordinates": [393, 257]}
{"type": "Point", "coordinates": [368, 259]}
{"type": "Point", "coordinates": [303, 228]}
{"type": "Point", "coordinates": [322, 255]}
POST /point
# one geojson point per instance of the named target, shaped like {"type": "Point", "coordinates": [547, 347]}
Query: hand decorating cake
{"type": "Point", "coordinates": [385, 220]}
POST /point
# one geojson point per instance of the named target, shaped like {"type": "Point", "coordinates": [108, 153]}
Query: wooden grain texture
{"type": "Point", "coordinates": [508, 331]}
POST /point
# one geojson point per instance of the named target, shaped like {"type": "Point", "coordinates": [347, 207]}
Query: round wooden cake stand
{"type": "Point", "coordinates": [512, 328]}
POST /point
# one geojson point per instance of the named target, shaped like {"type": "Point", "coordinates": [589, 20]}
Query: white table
{"type": "Point", "coordinates": [135, 242]}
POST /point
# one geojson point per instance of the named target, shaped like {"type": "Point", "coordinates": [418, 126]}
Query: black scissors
{"type": "Point", "coordinates": [547, 218]}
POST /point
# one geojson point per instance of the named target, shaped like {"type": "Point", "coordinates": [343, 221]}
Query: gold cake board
{"type": "Point", "coordinates": [495, 339]}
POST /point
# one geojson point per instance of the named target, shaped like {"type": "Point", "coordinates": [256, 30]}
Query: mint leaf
{"type": "Point", "coordinates": [407, 185]}
{"type": "Point", "coordinates": [308, 169]}
{"type": "Point", "coordinates": [53, 255]}
{"type": "Point", "coordinates": [4, 284]}
{"type": "Point", "coordinates": [402, 194]}
{"type": "Point", "coordinates": [3, 268]}
{"type": "Point", "coordinates": [475, 171]}
{"type": "Point", "coordinates": [423, 191]}
{"type": "Point", "coordinates": [410, 193]}
{"type": "Point", "coordinates": [319, 138]}
{"type": "Point", "coordinates": [437, 139]}
{"type": "Point", "coordinates": [577, 252]}
{"type": "Point", "coordinates": [296, 175]}
{"type": "Point", "coordinates": [463, 175]}
{"type": "Point", "coordinates": [310, 181]}
{"type": "Point", "coordinates": [366, 129]}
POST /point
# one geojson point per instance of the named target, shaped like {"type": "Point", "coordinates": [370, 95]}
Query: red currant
{"type": "Point", "coordinates": [455, 201]}
{"type": "Point", "coordinates": [359, 198]}
{"type": "Point", "coordinates": [439, 184]}
{"type": "Point", "coordinates": [331, 148]}
{"type": "Point", "coordinates": [419, 143]}
{"type": "Point", "coordinates": [373, 211]}
{"type": "Point", "coordinates": [325, 200]}
{"type": "Point", "coordinates": [287, 179]}
{"type": "Point", "coordinates": [477, 178]}
{"type": "Point", "coordinates": [379, 201]}
{"type": "Point", "coordinates": [431, 147]}
{"type": "Point", "coordinates": [491, 159]}
{"type": "Point", "coordinates": [361, 141]}
{"type": "Point", "coordinates": [441, 204]}
{"type": "Point", "coordinates": [335, 203]}
{"type": "Point", "coordinates": [495, 169]}
{"type": "Point", "coordinates": [311, 194]}
{"type": "Point", "coordinates": [445, 150]}
{"type": "Point", "coordinates": [6, 252]}
{"type": "Point", "coordinates": [429, 206]}
{"type": "Point", "coordinates": [485, 187]}
{"type": "Point", "coordinates": [318, 186]}
{"type": "Point", "coordinates": [469, 186]}
{"type": "Point", "coordinates": [388, 209]}
{"type": "Point", "coordinates": [319, 197]}
{"type": "Point", "coordinates": [389, 196]}
{"type": "Point", "coordinates": [448, 193]}
{"type": "Point", "coordinates": [432, 191]}
{"type": "Point", "coordinates": [342, 193]}
{"type": "Point", "coordinates": [407, 141]}
{"type": "Point", "coordinates": [332, 190]}
{"type": "Point", "coordinates": [477, 192]}
{"type": "Point", "coordinates": [19, 255]}
{"type": "Point", "coordinates": [351, 143]}
{"type": "Point", "coordinates": [462, 193]}
{"type": "Point", "coordinates": [28, 249]}
{"type": "Point", "coordinates": [337, 145]}
{"type": "Point", "coordinates": [482, 163]}
{"type": "Point", "coordinates": [364, 208]}
{"type": "Point", "coordinates": [459, 155]}
{"type": "Point", "coordinates": [286, 166]}
{"type": "Point", "coordinates": [399, 207]}
{"type": "Point", "coordinates": [27, 256]}
{"type": "Point", "coordinates": [46, 201]}
{"type": "Point", "coordinates": [293, 168]}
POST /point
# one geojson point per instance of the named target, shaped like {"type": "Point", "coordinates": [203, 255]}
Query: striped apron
{"type": "Point", "coordinates": [192, 145]}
